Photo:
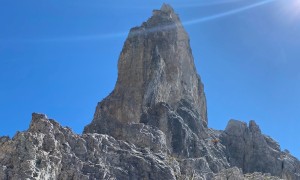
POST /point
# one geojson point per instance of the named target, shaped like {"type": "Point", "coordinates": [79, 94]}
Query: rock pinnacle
{"type": "Point", "coordinates": [155, 66]}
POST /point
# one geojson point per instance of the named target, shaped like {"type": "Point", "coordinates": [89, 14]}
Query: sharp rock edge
{"type": "Point", "coordinates": [152, 126]}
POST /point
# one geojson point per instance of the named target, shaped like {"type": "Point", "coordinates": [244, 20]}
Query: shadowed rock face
{"type": "Point", "coordinates": [155, 66]}
{"type": "Point", "coordinates": [252, 151]}
{"type": "Point", "coordinates": [152, 126]}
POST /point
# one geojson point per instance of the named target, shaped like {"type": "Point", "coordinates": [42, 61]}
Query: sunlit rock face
{"type": "Point", "coordinates": [48, 151]}
{"type": "Point", "coordinates": [152, 126]}
{"type": "Point", "coordinates": [159, 98]}
{"type": "Point", "coordinates": [156, 67]}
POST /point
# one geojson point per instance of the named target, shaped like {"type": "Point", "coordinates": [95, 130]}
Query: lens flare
{"type": "Point", "coordinates": [231, 12]}
{"type": "Point", "coordinates": [296, 7]}
{"type": "Point", "coordinates": [205, 4]}
{"type": "Point", "coordinates": [290, 10]}
{"type": "Point", "coordinates": [190, 22]}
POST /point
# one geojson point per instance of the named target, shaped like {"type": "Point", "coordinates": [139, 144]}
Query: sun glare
{"type": "Point", "coordinates": [293, 8]}
{"type": "Point", "coordinates": [297, 4]}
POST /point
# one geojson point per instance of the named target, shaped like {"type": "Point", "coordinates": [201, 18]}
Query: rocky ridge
{"type": "Point", "coordinates": [152, 126]}
{"type": "Point", "coordinates": [49, 151]}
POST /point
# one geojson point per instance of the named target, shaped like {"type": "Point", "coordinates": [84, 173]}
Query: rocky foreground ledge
{"type": "Point", "coordinates": [49, 151]}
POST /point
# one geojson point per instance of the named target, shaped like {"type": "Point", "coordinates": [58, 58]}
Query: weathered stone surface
{"type": "Point", "coordinates": [179, 126]}
{"type": "Point", "coordinates": [156, 66]}
{"type": "Point", "coordinates": [250, 150]}
{"type": "Point", "coordinates": [237, 174]}
{"type": "Point", "coordinates": [152, 126]}
{"type": "Point", "coordinates": [49, 151]}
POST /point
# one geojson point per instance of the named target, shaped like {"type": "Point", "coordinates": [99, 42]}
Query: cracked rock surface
{"type": "Point", "coordinates": [49, 151]}
{"type": "Point", "coordinates": [152, 126]}
{"type": "Point", "coordinates": [252, 151]}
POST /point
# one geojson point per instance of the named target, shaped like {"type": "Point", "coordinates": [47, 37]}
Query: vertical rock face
{"type": "Point", "coordinates": [155, 66]}
{"type": "Point", "coordinates": [152, 126]}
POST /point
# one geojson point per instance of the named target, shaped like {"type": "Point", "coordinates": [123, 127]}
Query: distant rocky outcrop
{"type": "Point", "coordinates": [152, 126]}
{"type": "Point", "coordinates": [252, 151]}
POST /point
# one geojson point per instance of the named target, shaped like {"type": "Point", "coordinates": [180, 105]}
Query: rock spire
{"type": "Point", "coordinates": [155, 66]}
{"type": "Point", "coordinates": [152, 126]}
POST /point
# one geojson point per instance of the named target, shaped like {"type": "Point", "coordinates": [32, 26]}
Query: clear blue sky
{"type": "Point", "coordinates": [60, 58]}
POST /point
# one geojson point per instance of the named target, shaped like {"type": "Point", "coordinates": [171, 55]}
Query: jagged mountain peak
{"type": "Point", "coordinates": [156, 66]}
{"type": "Point", "coordinates": [167, 8]}
{"type": "Point", "coordinates": [152, 126]}
{"type": "Point", "coordinates": [161, 20]}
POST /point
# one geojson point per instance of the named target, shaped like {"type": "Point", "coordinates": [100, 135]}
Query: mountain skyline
{"type": "Point", "coordinates": [247, 71]}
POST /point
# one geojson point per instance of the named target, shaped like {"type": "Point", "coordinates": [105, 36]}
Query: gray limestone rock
{"type": "Point", "coordinates": [250, 150]}
{"type": "Point", "coordinates": [49, 151]}
{"type": "Point", "coordinates": [237, 174]}
{"type": "Point", "coordinates": [152, 126]}
{"type": "Point", "coordinates": [155, 66]}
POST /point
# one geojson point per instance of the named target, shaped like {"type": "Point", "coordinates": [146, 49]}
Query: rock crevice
{"type": "Point", "coordinates": [152, 126]}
